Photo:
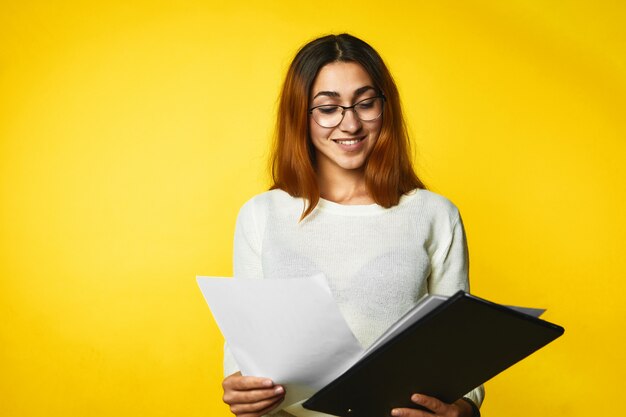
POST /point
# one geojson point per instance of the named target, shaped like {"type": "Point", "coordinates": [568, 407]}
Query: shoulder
{"type": "Point", "coordinates": [275, 202]}
{"type": "Point", "coordinates": [433, 215]}
{"type": "Point", "coordinates": [428, 204]}
{"type": "Point", "coordinates": [269, 199]}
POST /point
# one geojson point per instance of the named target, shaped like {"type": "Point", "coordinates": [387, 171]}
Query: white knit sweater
{"type": "Point", "coordinates": [378, 262]}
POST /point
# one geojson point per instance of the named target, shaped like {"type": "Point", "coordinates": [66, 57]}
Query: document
{"type": "Point", "coordinates": [292, 331]}
{"type": "Point", "coordinates": [289, 330]}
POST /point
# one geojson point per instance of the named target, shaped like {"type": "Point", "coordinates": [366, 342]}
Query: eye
{"type": "Point", "coordinates": [328, 109]}
{"type": "Point", "coordinates": [368, 103]}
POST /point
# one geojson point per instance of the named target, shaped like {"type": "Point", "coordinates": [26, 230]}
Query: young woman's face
{"type": "Point", "coordinates": [347, 145]}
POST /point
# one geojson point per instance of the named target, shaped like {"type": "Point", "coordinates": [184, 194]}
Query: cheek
{"type": "Point", "coordinates": [316, 132]}
{"type": "Point", "coordinates": [375, 131]}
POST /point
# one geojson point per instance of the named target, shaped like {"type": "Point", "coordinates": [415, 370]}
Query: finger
{"type": "Point", "coordinates": [251, 396]}
{"type": "Point", "coordinates": [273, 406]}
{"type": "Point", "coordinates": [410, 412]}
{"type": "Point", "coordinates": [242, 383]}
{"type": "Point", "coordinates": [260, 407]}
{"type": "Point", "coordinates": [432, 403]}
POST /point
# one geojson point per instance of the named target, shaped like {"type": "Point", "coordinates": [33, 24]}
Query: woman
{"type": "Point", "coordinates": [346, 202]}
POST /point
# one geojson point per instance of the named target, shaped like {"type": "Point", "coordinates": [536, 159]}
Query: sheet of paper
{"type": "Point", "coordinates": [289, 330]}
{"type": "Point", "coordinates": [534, 312]}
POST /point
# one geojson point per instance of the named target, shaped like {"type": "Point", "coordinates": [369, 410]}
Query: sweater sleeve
{"type": "Point", "coordinates": [246, 261]}
{"type": "Point", "coordinates": [449, 266]}
{"type": "Point", "coordinates": [449, 273]}
{"type": "Point", "coordinates": [247, 244]}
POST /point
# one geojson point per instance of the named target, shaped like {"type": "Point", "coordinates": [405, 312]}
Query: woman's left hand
{"type": "Point", "coordinates": [459, 408]}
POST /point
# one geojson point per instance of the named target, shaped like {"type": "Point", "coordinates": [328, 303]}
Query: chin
{"type": "Point", "coordinates": [352, 165]}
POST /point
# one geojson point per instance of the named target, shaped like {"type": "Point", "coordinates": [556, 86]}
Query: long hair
{"type": "Point", "coordinates": [388, 170]}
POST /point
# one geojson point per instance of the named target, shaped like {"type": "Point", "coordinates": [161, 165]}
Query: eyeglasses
{"type": "Point", "coordinates": [331, 115]}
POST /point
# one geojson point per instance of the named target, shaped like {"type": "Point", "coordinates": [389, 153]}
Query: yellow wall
{"type": "Point", "coordinates": [131, 134]}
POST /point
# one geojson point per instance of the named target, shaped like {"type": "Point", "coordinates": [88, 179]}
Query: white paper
{"type": "Point", "coordinates": [534, 312]}
{"type": "Point", "coordinates": [289, 330]}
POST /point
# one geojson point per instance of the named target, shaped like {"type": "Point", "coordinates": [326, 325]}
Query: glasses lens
{"type": "Point", "coordinates": [369, 109]}
{"type": "Point", "coordinates": [328, 116]}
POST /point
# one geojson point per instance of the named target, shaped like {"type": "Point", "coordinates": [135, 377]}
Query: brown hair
{"type": "Point", "coordinates": [388, 171]}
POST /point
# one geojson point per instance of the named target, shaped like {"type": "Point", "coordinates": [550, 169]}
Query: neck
{"type": "Point", "coordinates": [344, 186]}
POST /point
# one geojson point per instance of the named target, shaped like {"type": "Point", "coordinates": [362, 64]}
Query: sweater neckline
{"type": "Point", "coordinates": [360, 209]}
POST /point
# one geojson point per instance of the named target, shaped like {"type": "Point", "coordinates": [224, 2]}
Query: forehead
{"type": "Point", "coordinates": [341, 77]}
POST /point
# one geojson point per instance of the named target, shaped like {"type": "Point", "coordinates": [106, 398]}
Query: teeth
{"type": "Point", "coordinates": [348, 142]}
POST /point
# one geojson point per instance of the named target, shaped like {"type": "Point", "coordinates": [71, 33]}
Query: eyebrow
{"type": "Point", "coordinates": [335, 94]}
{"type": "Point", "coordinates": [362, 90]}
{"type": "Point", "coordinates": [327, 93]}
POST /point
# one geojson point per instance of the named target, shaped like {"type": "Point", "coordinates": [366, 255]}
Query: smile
{"type": "Point", "coordinates": [348, 142]}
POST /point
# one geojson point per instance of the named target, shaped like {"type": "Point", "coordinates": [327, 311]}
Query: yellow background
{"type": "Point", "coordinates": [131, 133]}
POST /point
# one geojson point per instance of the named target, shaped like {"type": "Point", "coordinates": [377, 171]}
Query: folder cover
{"type": "Point", "coordinates": [454, 348]}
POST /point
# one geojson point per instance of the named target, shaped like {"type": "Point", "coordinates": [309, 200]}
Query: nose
{"type": "Point", "coordinates": [350, 121]}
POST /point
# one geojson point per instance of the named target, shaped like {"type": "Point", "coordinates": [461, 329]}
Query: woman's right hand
{"type": "Point", "coordinates": [251, 396]}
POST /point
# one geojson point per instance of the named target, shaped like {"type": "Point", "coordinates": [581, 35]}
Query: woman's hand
{"type": "Point", "coordinates": [459, 408]}
{"type": "Point", "coordinates": [251, 396]}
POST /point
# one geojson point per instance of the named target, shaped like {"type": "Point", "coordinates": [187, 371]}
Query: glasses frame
{"type": "Point", "coordinates": [345, 108]}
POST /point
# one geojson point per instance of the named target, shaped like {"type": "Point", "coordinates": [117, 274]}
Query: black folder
{"type": "Point", "coordinates": [454, 348]}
